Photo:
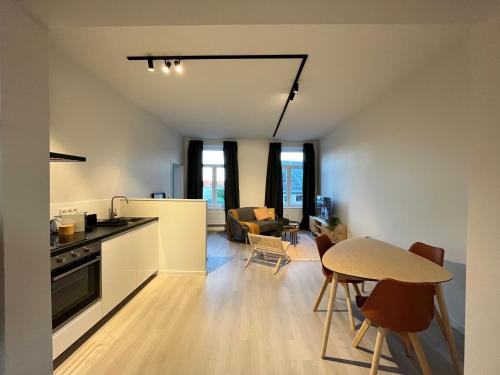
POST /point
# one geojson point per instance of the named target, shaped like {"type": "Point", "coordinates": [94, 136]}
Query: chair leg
{"type": "Point", "coordinates": [249, 259]}
{"type": "Point", "coordinates": [437, 316]}
{"type": "Point", "coordinates": [349, 305]}
{"type": "Point", "coordinates": [378, 349]}
{"type": "Point", "coordinates": [422, 359]}
{"type": "Point", "coordinates": [363, 287]}
{"type": "Point", "coordinates": [406, 342]}
{"type": "Point", "coordinates": [356, 288]}
{"type": "Point", "coordinates": [320, 295]}
{"type": "Point", "coordinates": [361, 332]}
{"type": "Point", "coordinates": [278, 263]}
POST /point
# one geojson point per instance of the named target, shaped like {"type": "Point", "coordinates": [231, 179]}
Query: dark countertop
{"type": "Point", "coordinates": [58, 244]}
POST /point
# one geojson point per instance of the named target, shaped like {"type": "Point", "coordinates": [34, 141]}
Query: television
{"type": "Point", "coordinates": [323, 206]}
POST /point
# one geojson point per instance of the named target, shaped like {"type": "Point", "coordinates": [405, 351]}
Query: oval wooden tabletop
{"type": "Point", "coordinates": [368, 258]}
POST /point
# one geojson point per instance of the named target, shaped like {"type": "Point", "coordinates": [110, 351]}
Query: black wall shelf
{"type": "Point", "coordinates": [57, 157]}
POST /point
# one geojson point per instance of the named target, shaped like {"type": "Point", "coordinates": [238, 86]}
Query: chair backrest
{"type": "Point", "coordinates": [401, 306]}
{"type": "Point", "coordinates": [267, 244]}
{"type": "Point", "coordinates": [323, 243]}
{"type": "Point", "coordinates": [434, 254]}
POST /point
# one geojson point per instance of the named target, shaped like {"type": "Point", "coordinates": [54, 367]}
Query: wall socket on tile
{"type": "Point", "coordinates": [68, 210]}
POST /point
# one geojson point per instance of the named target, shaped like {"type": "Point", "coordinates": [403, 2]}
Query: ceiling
{"type": "Point", "coordinates": [348, 67]}
{"type": "Point", "coordinates": [75, 13]}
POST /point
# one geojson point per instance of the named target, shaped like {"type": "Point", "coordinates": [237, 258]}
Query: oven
{"type": "Point", "coordinates": [76, 282]}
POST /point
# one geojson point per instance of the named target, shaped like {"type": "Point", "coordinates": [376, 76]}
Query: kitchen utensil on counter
{"type": "Point", "coordinates": [90, 222]}
{"type": "Point", "coordinates": [54, 224]}
{"type": "Point", "coordinates": [77, 218]}
{"type": "Point", "coordinates": [66, 229]}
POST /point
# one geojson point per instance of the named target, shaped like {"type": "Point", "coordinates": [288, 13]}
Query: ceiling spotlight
{"type": "Point", "coordinates": [178, 66]}
{"type": "Point", "coordinates": [151, 67]}
{"type": "Point", "coordinates": [296, 87]}
{"type": "Point", "coordinates": [166, 67]}
{"type": "Point", "coordinates": [292, 95]}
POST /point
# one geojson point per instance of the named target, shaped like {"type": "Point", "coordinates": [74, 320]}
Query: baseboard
{"type": "Point", "coordinates": [216, 227]}
{"type": "Point", "coordinates": [182, 272]}
{"type": "Point", "coordinates": [457, 325]}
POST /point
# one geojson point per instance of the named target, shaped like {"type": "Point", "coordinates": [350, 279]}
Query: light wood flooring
{"type": "Point", "coordinates": [240, 321]}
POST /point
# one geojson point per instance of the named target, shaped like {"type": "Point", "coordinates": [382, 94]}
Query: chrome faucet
{"type": "Point", "coordinates": [112, 211]}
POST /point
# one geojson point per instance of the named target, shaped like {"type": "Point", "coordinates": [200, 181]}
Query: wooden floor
{"type": "Point", "coordinates": [237, 321]}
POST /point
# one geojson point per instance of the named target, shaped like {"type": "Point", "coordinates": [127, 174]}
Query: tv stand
{"type": "Point", "coordinates": [319, 226]}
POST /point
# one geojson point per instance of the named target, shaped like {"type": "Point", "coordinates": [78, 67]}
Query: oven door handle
{"type": "Point", "coordinates": [59, 277]}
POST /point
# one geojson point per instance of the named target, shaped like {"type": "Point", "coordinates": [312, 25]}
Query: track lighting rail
{"type": "Point", "coordinates": [293, 89]}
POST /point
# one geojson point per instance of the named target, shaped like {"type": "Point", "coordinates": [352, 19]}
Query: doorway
{"type": "Point", "coordinates": [177, 180]}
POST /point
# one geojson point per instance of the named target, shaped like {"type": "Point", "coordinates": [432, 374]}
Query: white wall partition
{"type": "Point", "coordinates": [25, 319]}
{"type": "Point", "coordinates": [483, 242]}
{"type": "Point", "coordinates": [183, 231]}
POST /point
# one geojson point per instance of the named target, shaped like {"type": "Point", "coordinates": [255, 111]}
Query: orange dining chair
{"type": "Point", "coordinates": [323, 243]}
{"type": "Point", "coordinates": [434, 254]}
{"type": "Point", "coordinates": [402, 307]}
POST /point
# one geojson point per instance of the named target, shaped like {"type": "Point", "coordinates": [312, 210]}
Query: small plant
{"type": "Point", "coordinates": [332, 222]}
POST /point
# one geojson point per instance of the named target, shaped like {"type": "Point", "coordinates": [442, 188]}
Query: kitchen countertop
{"type": "Point", "coordinates": [60, 244]}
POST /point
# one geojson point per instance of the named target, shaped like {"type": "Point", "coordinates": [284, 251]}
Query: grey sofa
{"type": "Point", "coordinates": [241, 221]}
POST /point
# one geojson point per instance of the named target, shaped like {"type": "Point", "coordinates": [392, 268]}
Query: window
{"type": "Point", "coordinates": [213, 176]}
{"type": "Point", "coordinates": [292, 174]}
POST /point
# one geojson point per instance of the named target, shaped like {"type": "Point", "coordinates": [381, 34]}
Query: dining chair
{"type": "Point", "coordinates": [402, 307]}
{"type": "Point", "coordinates": [434, 254]}
{"type": "Point", "coordinates": [323, 243]}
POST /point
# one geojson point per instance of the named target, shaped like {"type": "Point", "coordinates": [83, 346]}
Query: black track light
{"type": "Point", "coordinates": [178, 66]}
{"type": "Point", "coordinates": [292, 95]}
{"type": "Point", "coordinates": [166, 67]}
{"type": "Point", "coordinates": [296, 87]}
{"type": "Point", "coordinates": [151, 67]}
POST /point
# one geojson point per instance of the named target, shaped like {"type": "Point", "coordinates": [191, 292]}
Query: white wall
{"type": "Point", "coordinates": [26, 330]}
{"type": "Point", "coordinates": [483, 247]}
{"type": "Point", "coordinates": [128, 151]}
{"type": "Point", "coordinates": [396, 171]}
{"type": "Point", "coordinates": [252, 167]}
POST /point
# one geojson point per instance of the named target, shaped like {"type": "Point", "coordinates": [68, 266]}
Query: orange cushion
{"type": "Point", "coordinates": [262, 213]}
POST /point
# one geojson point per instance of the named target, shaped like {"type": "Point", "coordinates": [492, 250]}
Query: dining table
{"type": "Point", "coordinates": [371, 259]}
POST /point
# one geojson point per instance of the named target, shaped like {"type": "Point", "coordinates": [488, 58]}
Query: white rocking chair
{"type": "Point", "coordinates": [266, 245]}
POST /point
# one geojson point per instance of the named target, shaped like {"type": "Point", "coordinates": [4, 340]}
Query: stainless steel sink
{"type": "Point", "coordinates": [118, 221]}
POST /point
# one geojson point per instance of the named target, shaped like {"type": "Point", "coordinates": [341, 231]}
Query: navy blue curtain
{"type": "Point", "coordinates": [195, 170]}
{"type": "Point", "coordinates": [308, 186]}
{"type": "Point", "coordinates": [231, 183]}
{"type": "Point", "coordinates": [274, 182]}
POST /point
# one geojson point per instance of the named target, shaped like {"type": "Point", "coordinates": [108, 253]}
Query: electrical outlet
{"type": "Point", "coordinates": [68, 211]}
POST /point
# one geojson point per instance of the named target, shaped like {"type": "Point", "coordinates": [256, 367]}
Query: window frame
{"type": "Point", "coordinates": [289, 169]}
{"type": "Point", "coordinates": [213, 167]}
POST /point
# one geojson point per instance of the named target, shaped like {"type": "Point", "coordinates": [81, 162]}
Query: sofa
{"type": "Point", "coordinates": [241, 221]}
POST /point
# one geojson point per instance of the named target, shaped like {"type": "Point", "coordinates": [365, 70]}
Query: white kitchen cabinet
{"type": "Point", "coordinates": [148, 256]}
{"type": "Point", "coordinates": [127, 261]}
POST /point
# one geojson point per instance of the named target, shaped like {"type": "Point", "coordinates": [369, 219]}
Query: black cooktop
{"type": "Point", "coordinates": [59, 244]}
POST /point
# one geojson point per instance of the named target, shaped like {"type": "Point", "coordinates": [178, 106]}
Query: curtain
{"type": "Point", "coordinates": [195, 170]}
{"type": "Point", "coordinates": [308, 186]}
{"type": "Point", "coordinates": [274, 182]}
{"type": "Point", "coordinates": [231, 183]}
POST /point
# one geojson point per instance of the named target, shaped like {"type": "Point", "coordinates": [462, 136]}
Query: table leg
{"type": "Point", "coordinates": [448, 332]}
{"type": "Point", "coordinates": [328, 321]}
